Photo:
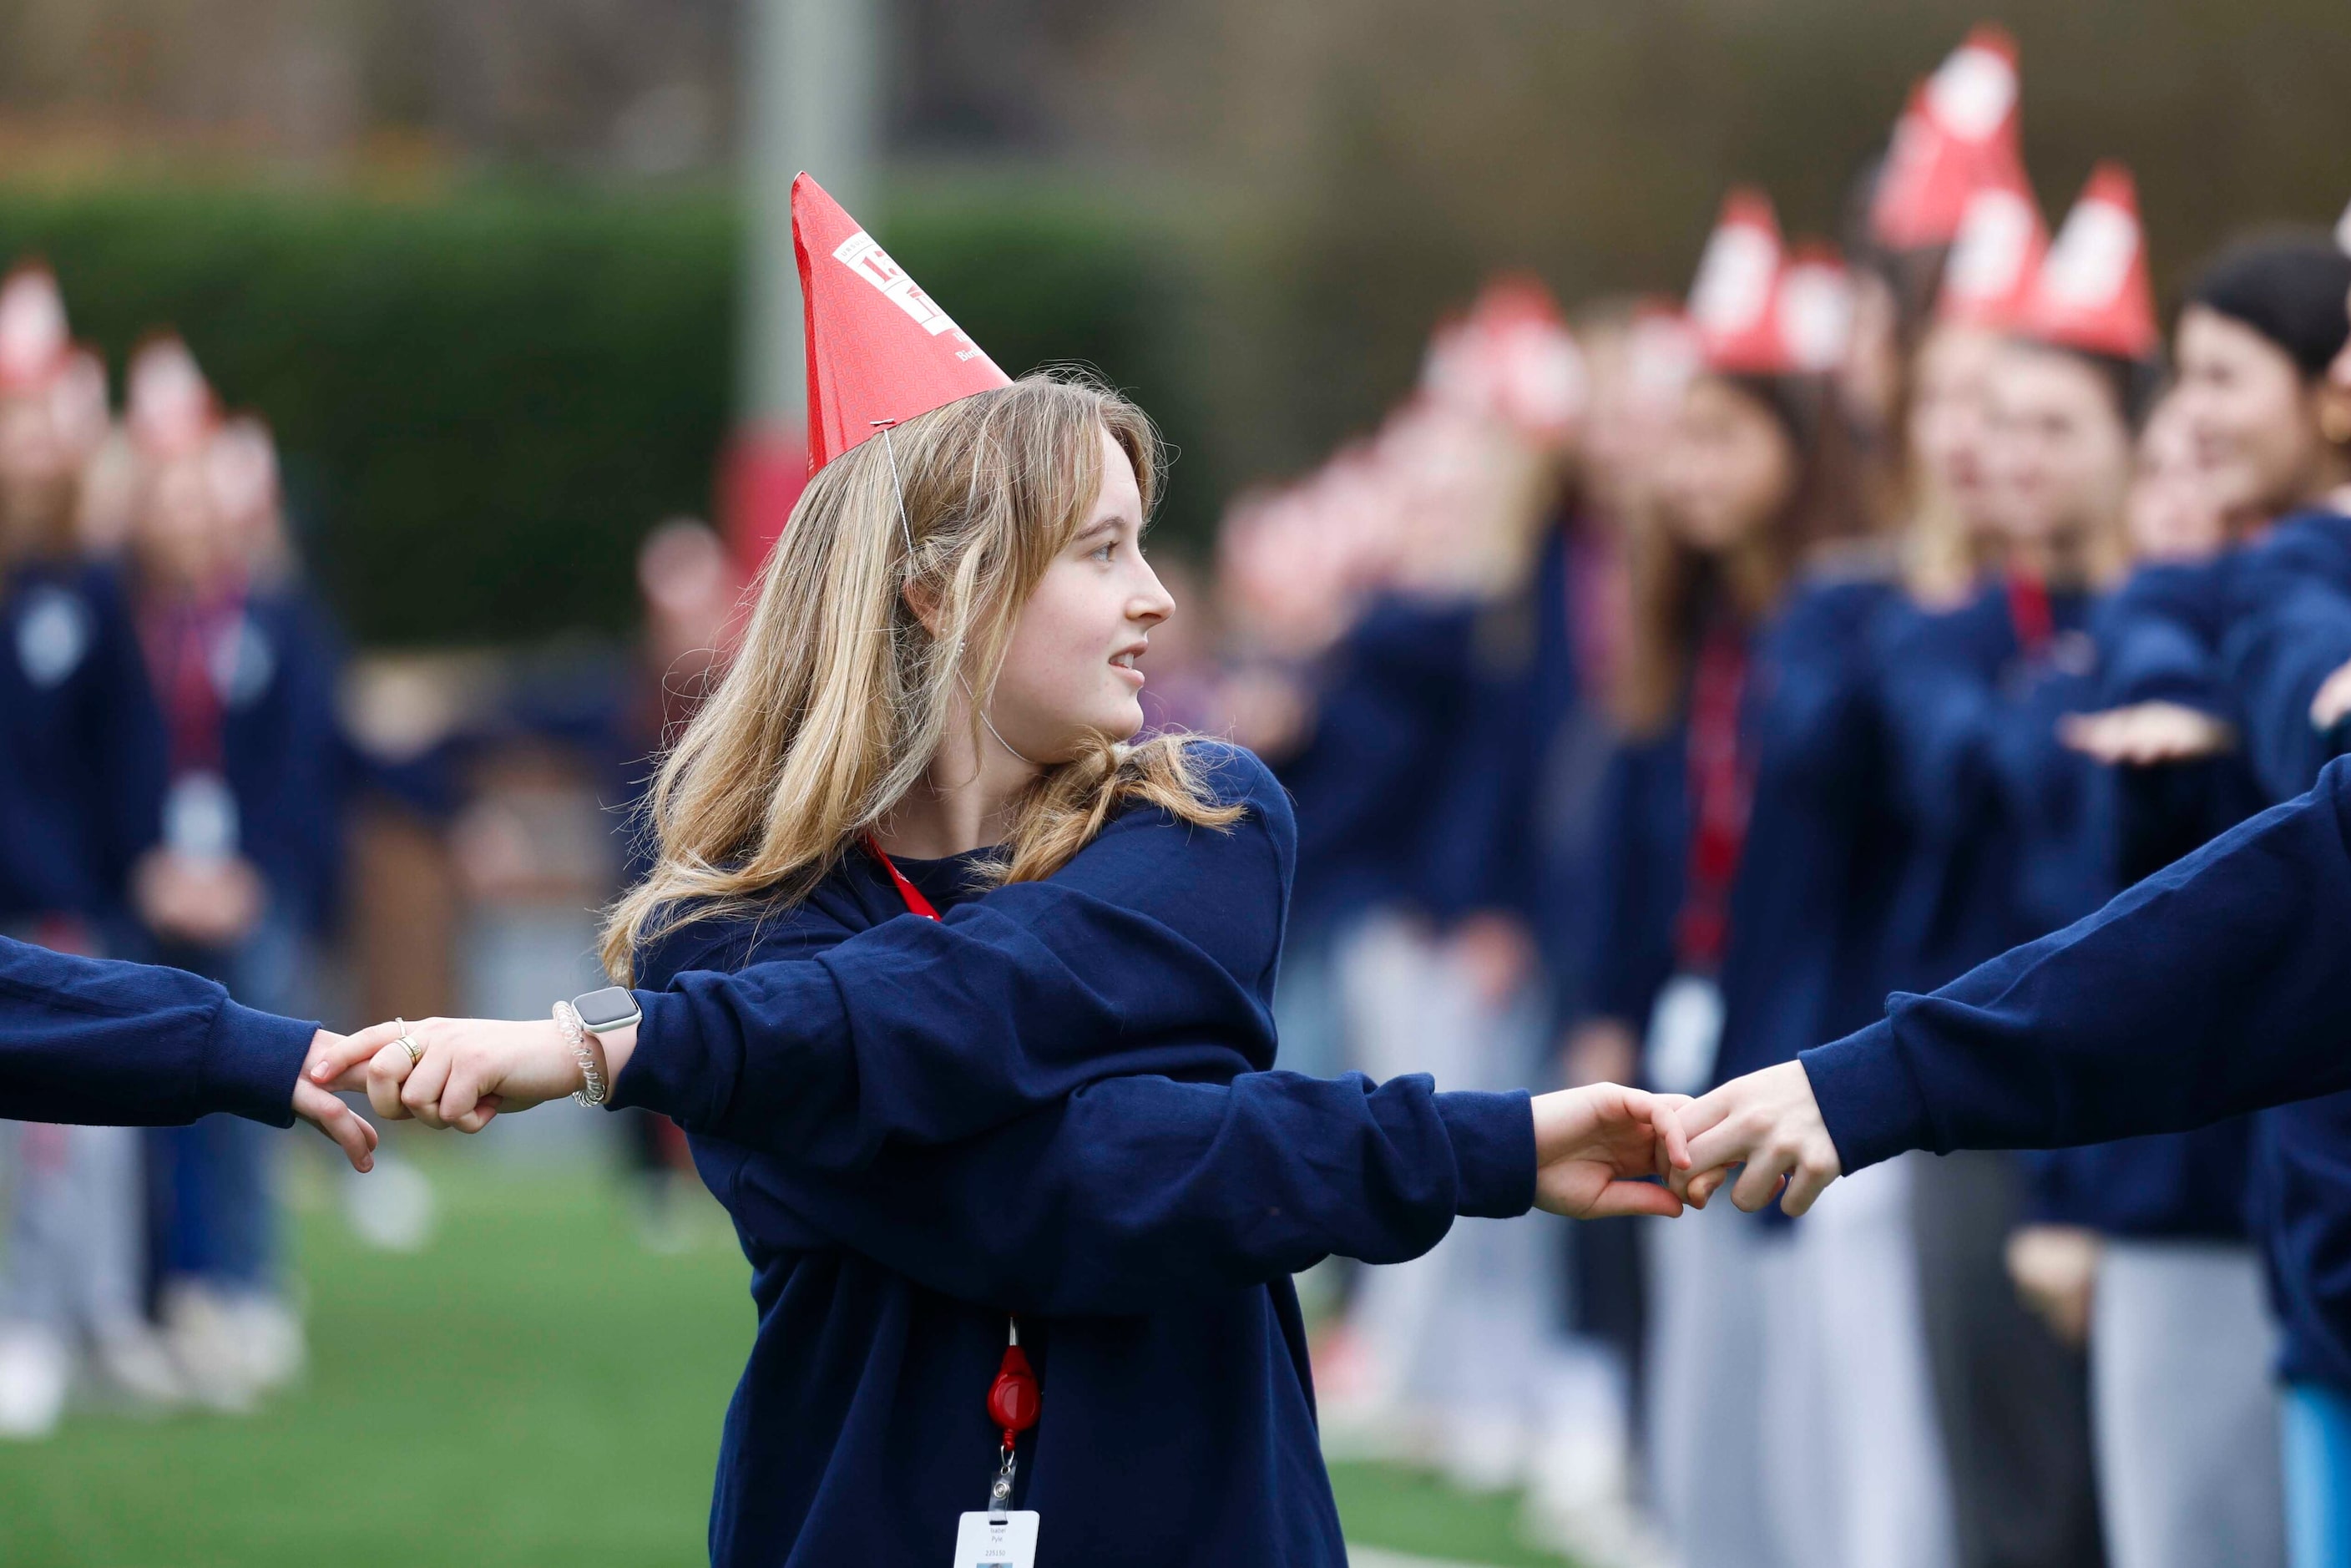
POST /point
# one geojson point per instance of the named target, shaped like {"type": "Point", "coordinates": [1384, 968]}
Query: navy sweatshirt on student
{"type": "Point", "coordinates": [2212, 988]}
{"type": "Point", "coordinates": [281, 752]}
{"type": "Point", "coordinates": [1511, 828]}
{"type": "Point", "coordinates": [1365, 782]}
{"type": "Point", "coordinates": [2158, 639]}
{"type": "Point", "coordinates": [81, 758]}
{"type": "Point", "coordinates": [2005, 824]}
{"type": "Point", "coordinates": [127, 1045]}
{"type": "Point", "coordinates": [1814, 874]}
{"type": "Point", "coordinates": [1056, 1102]}
{"type": "Point", "coordinates": [2289, 629]}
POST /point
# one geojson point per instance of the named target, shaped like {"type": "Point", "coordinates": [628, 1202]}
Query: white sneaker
{"type": "Point", "coordinates": [136, 1368]}
{"type": "Point", "coordinates": [204, 1339]}
{"type": "Point", "coordinates": [35, 1370]}
{"type": "Point", "coordinates": [270, 1332]}
{"type": "Point", "coordinates": [390, 1208]}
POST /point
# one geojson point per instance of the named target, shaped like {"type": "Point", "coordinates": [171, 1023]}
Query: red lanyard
{"type": "Point", "coordinates": [1721, 787]}
{"type": "Point", "coordinates": [2028, 613]}
{"type": "Point", "coordinates": [1013, 1399]}
{"type": "Point", "coordinates": [180, 635]}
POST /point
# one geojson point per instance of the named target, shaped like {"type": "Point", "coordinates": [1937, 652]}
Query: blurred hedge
{"type": "Point", "coordinates": [485, 399]}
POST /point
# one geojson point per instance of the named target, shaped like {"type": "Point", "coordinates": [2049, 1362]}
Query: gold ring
{"type": "Point", "coordinates": [407, 1042]}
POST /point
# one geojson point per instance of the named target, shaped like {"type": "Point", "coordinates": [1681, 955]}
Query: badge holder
{"type": "Point", "coordinates": [1004, 1537]}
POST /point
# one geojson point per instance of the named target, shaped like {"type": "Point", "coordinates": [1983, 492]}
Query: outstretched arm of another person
{"type": "Point", "coordinates": [2212, 989]}
{"type": "Point", "coordinates": [115, 1044]}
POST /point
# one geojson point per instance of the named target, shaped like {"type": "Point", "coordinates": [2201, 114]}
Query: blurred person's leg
{"type": "Point", "coordinates": [2318, 1426]}
{"type": "Point", "coordinates": [2013, 1402]}
{"type": "Point", "coordinates": [36, 1365]}
{"type": "Point", "coordinates": [1796, 1468]}
{"type": "Point", "coordinates": [2181, 1342]}
{"type": "Point", "coordinates": [1887, 1497]}
{"type": "Point", "coordinates": [1705, 1430]}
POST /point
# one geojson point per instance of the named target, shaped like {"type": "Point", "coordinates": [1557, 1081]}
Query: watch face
{"type": "Point", "coordinates": [604, 1008]}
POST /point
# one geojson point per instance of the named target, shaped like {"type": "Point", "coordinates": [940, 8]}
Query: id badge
{"type": "Point", "coordinates": [1684, 1032]}
{"type": "Point", "coordinates": [993, 1541]}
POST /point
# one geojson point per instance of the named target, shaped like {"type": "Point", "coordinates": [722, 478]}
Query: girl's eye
{"type": "Point", "coordinates": [1103, 552]}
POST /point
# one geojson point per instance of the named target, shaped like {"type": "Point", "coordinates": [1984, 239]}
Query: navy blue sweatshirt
{"type": "Point", "coordinates": [1809, 898]}
{"type": "Point", "coordinates": [128, 1045]}
{"type": "Point", "coordinates": [2212, 989]}
{"type": "Point", "coordinates": [2158, 639]}
{"type": "Point", "coordinates": [281, 751]}
{"type": "Point", "coordinates": [1390, 707]}
{"type": "Point", "coordinates": [2004, 824]}
{"type": "Point", "coordinates": [2289, 629]}
{"type": "Point", "coordinates": [1058, 1101]}
{"type": "Point", "coordinates": [82, 757]}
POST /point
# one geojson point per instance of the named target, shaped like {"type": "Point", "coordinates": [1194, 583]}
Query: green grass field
{"type": "Point", "coordinates": [533, 1388]}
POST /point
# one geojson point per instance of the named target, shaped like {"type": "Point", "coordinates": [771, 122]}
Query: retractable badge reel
{"type": "Point", "coordinates": [1003, 1536]}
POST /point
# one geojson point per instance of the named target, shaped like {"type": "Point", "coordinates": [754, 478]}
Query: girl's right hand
{"type": "Point", "coordinates": [1597, 1148]}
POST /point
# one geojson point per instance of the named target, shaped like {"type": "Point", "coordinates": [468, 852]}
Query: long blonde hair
{"type": "Point", "coordinates": [839, 695]}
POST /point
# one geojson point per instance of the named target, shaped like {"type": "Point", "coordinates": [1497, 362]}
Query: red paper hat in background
{"type": "Point", "coordinates": [1995, 259]}
{"type": "Point", "coordinates": [1813, 309]}
{"type": "Point", "coordinates": [1958, 132]}
{"type": "Point", "coordinates": [2093, 293]}
{"type": "Point", "coordinates": [170, 409]}
{"type": "Point", "coordinates": [1513, 360]}
{"type": "Point", "coordinates": [1661, 353]}
{"type": "Point", "coordinates": [33, 342]}
{"type": "Point", "coordinates": [879, 351]}
{"type": "Point", "coordinates": [1733, 301]}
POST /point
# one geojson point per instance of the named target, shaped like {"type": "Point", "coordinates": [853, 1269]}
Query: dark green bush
{"type": "Point", "coordinates": [486, 398]}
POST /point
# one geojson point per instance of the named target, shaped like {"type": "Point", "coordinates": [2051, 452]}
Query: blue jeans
{"type": "Point", "coordinates": [2317, 1477]}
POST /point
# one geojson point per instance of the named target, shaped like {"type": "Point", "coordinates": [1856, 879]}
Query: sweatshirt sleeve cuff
{"type": "Point", "coordinates": [1867, 1097]}
{"type": "Point", "coordinates": [649, 1081]}
{"type": "Point", "coordinates": [254, 1060]}
{"type": "Point", "coordinates": [1493, 1152]}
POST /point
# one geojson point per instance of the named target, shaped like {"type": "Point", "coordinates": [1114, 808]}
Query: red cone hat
{"type": "Point", "coordinates": [169, 404]}
{"type": "Point", "coordinates": [1814, 310]}
{"type": "Point", "coordinates": [1958, 132]}
{"type": "Point", "coordinates": [1995, 259]}
{"type": "Point", "coordinates": [33, 342]}
{"type": "Point", "coordinates": [879, 351]}
{"type": "Point", "coordinates": [1733, 300]}
{"type": "Point", "coordinates": [2093, 292]}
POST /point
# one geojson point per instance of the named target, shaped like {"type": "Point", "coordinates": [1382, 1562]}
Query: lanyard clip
{"type": "Point", "coordinates": [999, 1491]}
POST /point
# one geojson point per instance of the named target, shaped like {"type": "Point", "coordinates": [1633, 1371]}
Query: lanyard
{"type": "Point", "coordinates": [1721, 787]}
{"type": "Point", "coordinates": [2028, 613]}
{"type": "Point", "coordinates": [180, 635]}
{"type": "Point", "coordinates": [1013, 1399]}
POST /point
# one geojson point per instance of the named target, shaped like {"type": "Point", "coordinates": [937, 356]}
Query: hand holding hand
{"type": "Point", "coordinates": [461, 1071]}
{"type": "Point", "coordinates": [323, 1076]}
{"type": "Point", "coordinates": [1769, 1122]}
{"type": "Point", "coordinates": [1595, 1146]}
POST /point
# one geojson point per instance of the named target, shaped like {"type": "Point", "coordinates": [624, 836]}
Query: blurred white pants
{"type": "Point", "coordinates": [2184, 1407]}
{"type": "Point", "coordinates": [77, 1241]}
{"type": "Point", "coordinates": [1706, 1387]}
{"type": "Point", "coordinates": [1465, 1342]}
{"type": "Point", "coordinates": [1845, 1365]}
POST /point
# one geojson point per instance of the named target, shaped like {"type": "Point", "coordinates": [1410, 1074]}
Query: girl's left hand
{"type": "Point", "coordinates": [1596, 1146]}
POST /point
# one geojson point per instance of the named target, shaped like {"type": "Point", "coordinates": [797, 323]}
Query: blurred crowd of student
{"type": "Point", "coordinates": [1667, 682]}
{"type": "Point", "coordinates": [1661, 685]}
{"type": "Point", "coordinates": [190, 775]}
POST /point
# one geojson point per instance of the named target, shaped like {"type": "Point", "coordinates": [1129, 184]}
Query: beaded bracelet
{"type": "Point", "coordinates": [593, 1090]}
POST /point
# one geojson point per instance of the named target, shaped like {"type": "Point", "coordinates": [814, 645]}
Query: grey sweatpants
{"type": "Point", "coordinates": [2184, 1406]}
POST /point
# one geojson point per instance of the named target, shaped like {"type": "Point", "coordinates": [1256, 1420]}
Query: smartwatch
{"type": "Point", "coordinates": [601, 1012]}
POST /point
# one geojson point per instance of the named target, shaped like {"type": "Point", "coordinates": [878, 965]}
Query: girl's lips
{"type": "Point", "coordinates": [1129, 672]}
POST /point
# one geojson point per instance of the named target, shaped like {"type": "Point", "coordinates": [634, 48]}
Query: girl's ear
{"type": "Point", "coordinates": [2332, 402]}
{"type": "Point", "coordinates": [922, 603]}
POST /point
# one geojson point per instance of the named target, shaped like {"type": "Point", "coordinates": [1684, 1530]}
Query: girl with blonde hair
{"type": "Point", "coordinates": [965, 1000]}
